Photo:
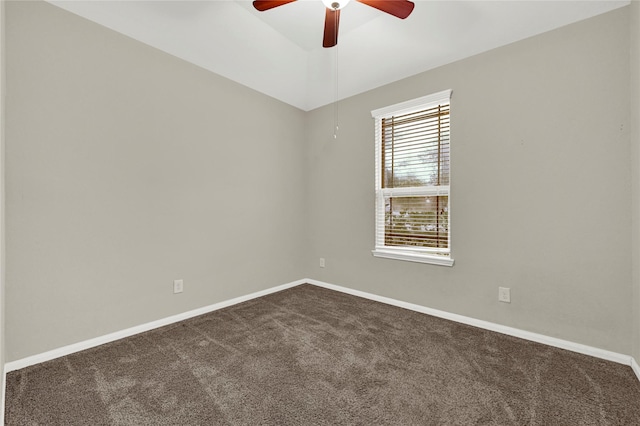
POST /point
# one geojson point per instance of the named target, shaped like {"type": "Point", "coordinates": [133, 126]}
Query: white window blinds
{"type": "Point", "coordinates": [412, 179]}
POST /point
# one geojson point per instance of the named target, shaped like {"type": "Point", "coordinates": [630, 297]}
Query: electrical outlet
{"type": "Point", "coordinates": [322, 262]}
{"type": "Point", "coordinates": [504, 294]}
{"type": "Point", "coordinates": [178, 286]}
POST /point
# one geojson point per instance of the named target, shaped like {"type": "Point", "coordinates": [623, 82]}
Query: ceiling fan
{"type": "Point", "coordinates": [398, 8]}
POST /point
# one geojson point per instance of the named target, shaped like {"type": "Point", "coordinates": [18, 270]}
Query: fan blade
{"type": "Point", "coordinates": [263, 5]}
{"type": "Point", "coordinates": [331, 22]}
{"type": "Point", "coordinates": [398, 8]}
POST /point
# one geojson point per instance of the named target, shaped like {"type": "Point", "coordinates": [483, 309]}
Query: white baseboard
{"type": "Point", "coordinates": [87, 344]}
{"type": "Point", "coordinates": [540, 338]}
{"type": "Point", "coordinates": [522, 334]}
{"type": "Point", "coordinates": [635, 367]}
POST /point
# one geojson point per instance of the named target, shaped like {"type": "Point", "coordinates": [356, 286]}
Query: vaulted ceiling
{"type": "Point", "coordinates": [279, 52]}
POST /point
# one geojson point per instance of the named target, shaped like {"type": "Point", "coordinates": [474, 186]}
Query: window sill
{"type": "Point", "coordinates": [413, 257]}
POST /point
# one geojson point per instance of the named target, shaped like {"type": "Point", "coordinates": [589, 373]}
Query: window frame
{"type": "Point", "coordinates": [407, 253]}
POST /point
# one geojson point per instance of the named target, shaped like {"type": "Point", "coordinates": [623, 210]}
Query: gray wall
{"type": "Point", "coordinates": [635, 164]}
{"type": "Point", "coordinates": [128, 168]}
{"type": "Point", "coordinates": [2, 201]}
{"type": "Point", "coordinates": [541, 187]}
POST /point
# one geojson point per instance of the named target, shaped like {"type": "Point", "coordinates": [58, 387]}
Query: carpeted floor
{"type": "Point", "coordinates": [312, 356]}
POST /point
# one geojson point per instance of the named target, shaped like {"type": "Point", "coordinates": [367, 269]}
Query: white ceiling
{"type": "Point", "coordinates": [279, 52]}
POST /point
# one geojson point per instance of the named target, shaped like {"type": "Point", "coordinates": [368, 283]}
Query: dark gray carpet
{"type": "Point", "coordinates": [311, 356]}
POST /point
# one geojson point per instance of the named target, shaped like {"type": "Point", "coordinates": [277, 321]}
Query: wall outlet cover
{"type": "Point", "coordinates": [504, 294]}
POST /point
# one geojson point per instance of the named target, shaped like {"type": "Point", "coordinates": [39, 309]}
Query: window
{"type": "Point", "coordinates": [412, 180]}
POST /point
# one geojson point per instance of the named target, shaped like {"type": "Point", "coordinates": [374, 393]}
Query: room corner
{"type": "Point", "coordinates": [635, 168]}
